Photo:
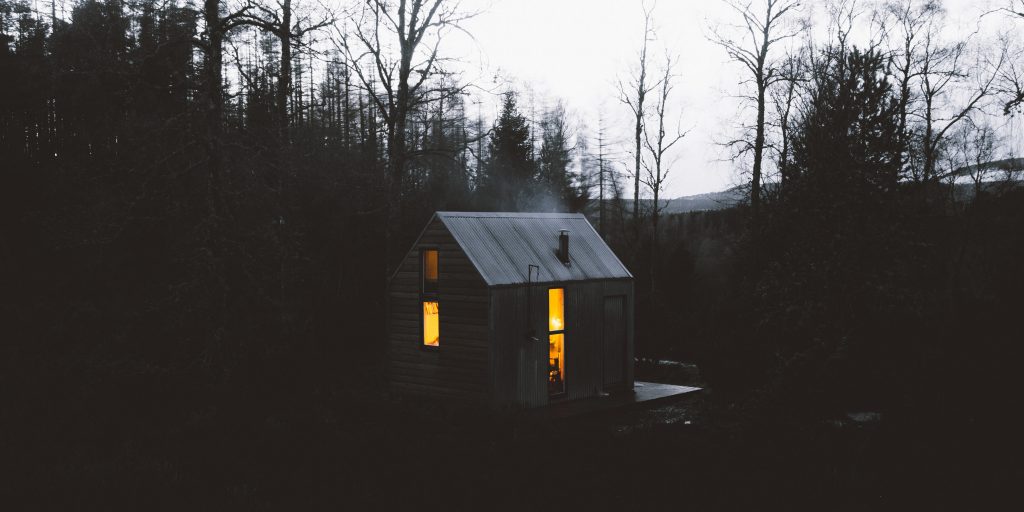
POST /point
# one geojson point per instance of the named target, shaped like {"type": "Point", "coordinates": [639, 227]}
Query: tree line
{"type": "Point", "coordinates": [947, 84]}
{"type": "Point", "coordinates": [202, 201]}
{"type": "Point", "coordinates": [225, 177]}
{"type": "Point", "coordinates": [883, 214]}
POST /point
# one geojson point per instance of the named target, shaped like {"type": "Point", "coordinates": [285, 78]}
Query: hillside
{"type": "Point", "coordinates": [699, 202]}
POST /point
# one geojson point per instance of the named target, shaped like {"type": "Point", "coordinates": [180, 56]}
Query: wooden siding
{"type": "Point", "coordinates": [584, 340]}
{"type": "Point", "coordinates": [458, 368]}
{"type": "Point", "coordinates": [519, 367]}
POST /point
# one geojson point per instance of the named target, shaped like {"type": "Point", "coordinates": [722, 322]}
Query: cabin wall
{"type": "Point", "coordinates": [519, 366]}
{"type": "Point", "coordinates": [584, 337]}
{"type": "Point", "coordinates": [459, 367]}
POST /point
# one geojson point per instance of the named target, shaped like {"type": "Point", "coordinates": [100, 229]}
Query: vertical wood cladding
{"type": "Point", "coordinates": [458, 368]}
{"type": "Point", "coordinates": [519, 366]}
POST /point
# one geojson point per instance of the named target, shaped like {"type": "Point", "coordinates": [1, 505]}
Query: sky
{"type": "Point", "coordinates": [575, 50]}
{"type": "Point", "coordinates": [578, 50]}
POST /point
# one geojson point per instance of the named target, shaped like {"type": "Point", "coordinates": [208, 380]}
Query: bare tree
{"type": "Point", "coordinates": [584, 178]}
{"type": "Point", "coordinates": [762, 28]}
{"type": "Point", "coordinates": [1010, 85]}
{"type": "Point", "coordinates": [944, 68]}
{"type": "Point", "coordinates": [633, 93]}
{"type": "Point", "coordinates": [211, 43]}
{"type": "Point", "coordinates": [971, 153]}
{"type": "Point", "coordinates": [658, 146]}
{"type": "Point", "coordinates": [784, 98]}
{"type": "Point", "coordinates": [282, 22]}
{"type": "Point", "coordinates": [1011, 81]}
{"type": "Point", "coordinates": [415, 29]}
{"type": "Point", "coordinates": [604, 176]}
{"type": "Point", "coordinates": [910, 18]}
{"type": "Point", "coordinates": [973, 148]}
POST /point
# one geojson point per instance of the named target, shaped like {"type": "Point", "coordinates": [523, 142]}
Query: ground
{"type": "Point", "coordinates": [347, 447]}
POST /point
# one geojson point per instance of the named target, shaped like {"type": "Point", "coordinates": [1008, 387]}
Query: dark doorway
{"type": "Point", "coordinates": [614, 343]}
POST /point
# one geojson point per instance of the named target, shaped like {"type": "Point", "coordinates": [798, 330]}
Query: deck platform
{"type": "Point", "coordinates": [643, 394]}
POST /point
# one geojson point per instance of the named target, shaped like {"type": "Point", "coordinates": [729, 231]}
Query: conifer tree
{"type": "Point", "coordinates": [510, 170]}
{"type": "Point", "coordinates": [553, 166]}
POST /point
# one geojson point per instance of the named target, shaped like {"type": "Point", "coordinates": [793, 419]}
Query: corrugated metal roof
{"type": "Point", "coordinates": [503, 245]}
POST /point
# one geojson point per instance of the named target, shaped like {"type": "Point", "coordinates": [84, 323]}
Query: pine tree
{"type": "Point", "coordinates": [847, 142]}
{"type": "Point", "coordinates": [509, 171]}
{"type": "Point", "coordinates": [555, 190]}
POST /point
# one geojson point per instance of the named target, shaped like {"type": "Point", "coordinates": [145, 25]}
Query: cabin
{"type": "Point", "coordinates": [510, 310]}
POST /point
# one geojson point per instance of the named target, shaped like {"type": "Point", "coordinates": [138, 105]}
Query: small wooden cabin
{"type": "Point", "coordinates": [510, 310]}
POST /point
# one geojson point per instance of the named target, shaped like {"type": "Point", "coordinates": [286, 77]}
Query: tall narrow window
{"type": "Point", "coordinates": [430, 271]}
{"type": "Point", "coordinates": [429, 300]}
{"type": "Point", "coordinates": [556, 341]}
{"type": "Point", "coordinates": [431, 324]}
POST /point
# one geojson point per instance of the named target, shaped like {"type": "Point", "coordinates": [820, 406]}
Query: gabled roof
{"type": "Point", "coordinates": [503, 245]}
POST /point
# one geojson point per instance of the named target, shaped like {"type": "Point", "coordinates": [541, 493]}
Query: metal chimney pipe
{"type": "Point", "coordinates": [563, 246]}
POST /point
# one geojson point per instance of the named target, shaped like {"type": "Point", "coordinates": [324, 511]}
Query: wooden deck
{"type": "Point", "coordinates": [643, 394]}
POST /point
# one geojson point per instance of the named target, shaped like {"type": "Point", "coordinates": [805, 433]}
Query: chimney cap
{"type": "Point", "coordinates": [563, 246]}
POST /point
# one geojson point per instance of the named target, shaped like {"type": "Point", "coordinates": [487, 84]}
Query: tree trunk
{"type": "Point", "coordinates": [600, 181]}
{"type": "Point", "coordinates": [929, 144]}
{"type": "Point", "coordinates": [346, 109]}
{"type": "Point", "coordinates": [397, 147]}
{"type": "Point", "coordinates": [284, 85]}
{"type": "Point", "coordinates": [636, 174]}
{"type": "Point", "coordinates": [212, 75]}
{"type": "Point", "coordinates": [755, 178]}
{"type": "Point", "coordinates": [654, 242]}
{"type": "Point", "coordinates": [904, 101]}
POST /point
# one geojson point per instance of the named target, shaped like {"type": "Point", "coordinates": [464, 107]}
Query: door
{"type": "Point", "coordinates": [614, 342]}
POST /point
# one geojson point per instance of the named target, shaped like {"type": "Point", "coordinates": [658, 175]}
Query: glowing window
{"type": "Point", "coordinates": [429, 298]}
{"type": "Point", "coordinates": [429, 270]}
{"type": "Point", "coordinates": [431, 324]}
{"type": "Point", "coordinates": [556, 341]}
{"type": "Point", "coordinates": [556, 309]}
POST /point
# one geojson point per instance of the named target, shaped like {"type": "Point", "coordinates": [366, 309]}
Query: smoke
{"type": "Point", "coordinates": [544, 202]}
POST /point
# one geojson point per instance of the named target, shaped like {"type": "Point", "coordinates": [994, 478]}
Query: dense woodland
{"type": "Point", "coordinates": [202, 202]}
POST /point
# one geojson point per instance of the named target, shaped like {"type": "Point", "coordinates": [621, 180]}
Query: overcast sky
{"type": "Point", "coordinates": [575, 50]}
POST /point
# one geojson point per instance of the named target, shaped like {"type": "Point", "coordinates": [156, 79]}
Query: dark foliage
{"type": "Point", "coordinates": [193, 297]}
{"type": "Point", "coordinates": [854, 291]}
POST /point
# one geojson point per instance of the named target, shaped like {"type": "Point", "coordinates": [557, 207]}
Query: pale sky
{"type": "Point", "coordinates": [575, 49]}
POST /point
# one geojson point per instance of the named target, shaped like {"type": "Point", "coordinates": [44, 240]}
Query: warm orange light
{"type": "Point", "coordinates": [430, 265]}
{"type": "Point", "coordinates": [556, 340]}
{"type": "Point", "coordinates": [431, 324]}
{"type": "Point", "coordinates": [556, 362]}
{"type": "Point", "coordinates": [556, 309]}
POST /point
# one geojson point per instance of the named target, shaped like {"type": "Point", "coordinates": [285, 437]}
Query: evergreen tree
{"type": "Point", "coordinates": [509, 172]}
{"type": "Point", "coordinates": [847, 142]}
{"type": "Point", "coordinates": [831, 246]}
{"type": "Point", "coordinates": [555, 190]}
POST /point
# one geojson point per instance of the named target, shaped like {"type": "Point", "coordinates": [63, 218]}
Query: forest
{"type": "Point", "coordinates": [203, 201]}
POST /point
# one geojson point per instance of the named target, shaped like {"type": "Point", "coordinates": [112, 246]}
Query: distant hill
{"type": "Point", "coordinates": [700, 202]}
{"type": "Point", "coordinates": [709, 201]}
{"type": "Point", "coordinates": [1007, 164]}
{"type": "Point", "coordinates": [731, 197]}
